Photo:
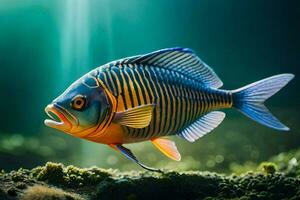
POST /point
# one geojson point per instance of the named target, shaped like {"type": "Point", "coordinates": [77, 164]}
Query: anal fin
{"type": "Point", "coordinates": [167, 147]}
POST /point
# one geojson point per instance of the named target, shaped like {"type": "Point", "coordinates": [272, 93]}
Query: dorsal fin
{"type": "Point", "coordinates": [202, 126]}
{"type": "Point", "coordinates": [181, 60]}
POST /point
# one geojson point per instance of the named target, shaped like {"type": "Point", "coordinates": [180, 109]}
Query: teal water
{"type": "Point", "coordinates": [46, 45]}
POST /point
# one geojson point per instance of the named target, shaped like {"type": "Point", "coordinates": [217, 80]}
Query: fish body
{"type": "Point", "coordinates": [179, 100]}
{"type": "Point", "coordinates": [148, 97]}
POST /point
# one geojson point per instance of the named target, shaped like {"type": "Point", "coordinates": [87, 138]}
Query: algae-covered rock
{"type": "Point", "coordinates": [199, 185]}
{"type": "Point", "coordinates": [55, 181]}
{"type": "Point", "coordinates": [70, 176]}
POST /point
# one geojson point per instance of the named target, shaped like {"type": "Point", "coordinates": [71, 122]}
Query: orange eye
{"type": "Point", "coordinates": [78, 102]}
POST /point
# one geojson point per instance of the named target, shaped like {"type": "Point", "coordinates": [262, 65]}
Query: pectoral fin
{"type": "Point", "coordinates": [131, 156]}
{"type": "Point", "coordinates": [167, 147]}
{"type": "Point", "coordinates": [137, 117]}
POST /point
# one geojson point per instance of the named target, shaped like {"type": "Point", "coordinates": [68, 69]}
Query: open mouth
{"type": "Point", "coordinates": [58, 119]}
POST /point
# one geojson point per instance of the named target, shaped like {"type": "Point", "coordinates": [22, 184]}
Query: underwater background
{"type": "Point", "coordinates": [47, 45]}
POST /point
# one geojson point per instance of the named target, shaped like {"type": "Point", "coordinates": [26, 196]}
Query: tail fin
{"type": "Point", "coordinates": [250, 100]}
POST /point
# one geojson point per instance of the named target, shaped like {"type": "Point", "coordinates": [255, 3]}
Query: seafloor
{"type": "Point", "coordinates": [55, 181]}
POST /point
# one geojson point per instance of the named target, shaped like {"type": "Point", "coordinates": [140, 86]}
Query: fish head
{"type": "Point", "coordinates": [80, 109]}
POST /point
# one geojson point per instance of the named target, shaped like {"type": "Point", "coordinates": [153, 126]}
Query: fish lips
{"type": "Point", "coordinates": [60, 118]}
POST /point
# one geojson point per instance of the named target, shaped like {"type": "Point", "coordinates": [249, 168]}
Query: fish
{"type": "Point", "coordinates": [153, 96]}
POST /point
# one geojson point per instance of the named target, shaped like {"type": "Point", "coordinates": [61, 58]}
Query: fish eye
{"type": "Point", "coordinates": [78, 102]}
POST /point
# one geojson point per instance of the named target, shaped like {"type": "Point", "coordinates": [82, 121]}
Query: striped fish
{"type": "Point", "coordinates": [148, 97]}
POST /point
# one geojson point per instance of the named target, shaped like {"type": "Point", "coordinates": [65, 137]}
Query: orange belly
{"type": "Point", "coordinates": [114, 134]}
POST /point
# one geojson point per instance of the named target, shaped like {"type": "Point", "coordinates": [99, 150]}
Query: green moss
{"type": "Point", "coordinates": [198, 185]}
{"type": "Point", "coordinates": [75, 177]}
{"type": "Point", "coordinates": [268, 167]}
{"type": "Point", "coordinates": [69, 176]}
{"type": "Point", "coordinates": [96, 183]}
{"type": "Point", "coordinates": [51, 173]}
{"type": "Point", "coordinates": [19, 175]}
{"type": "Point", "coordinates": [21, 185]}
